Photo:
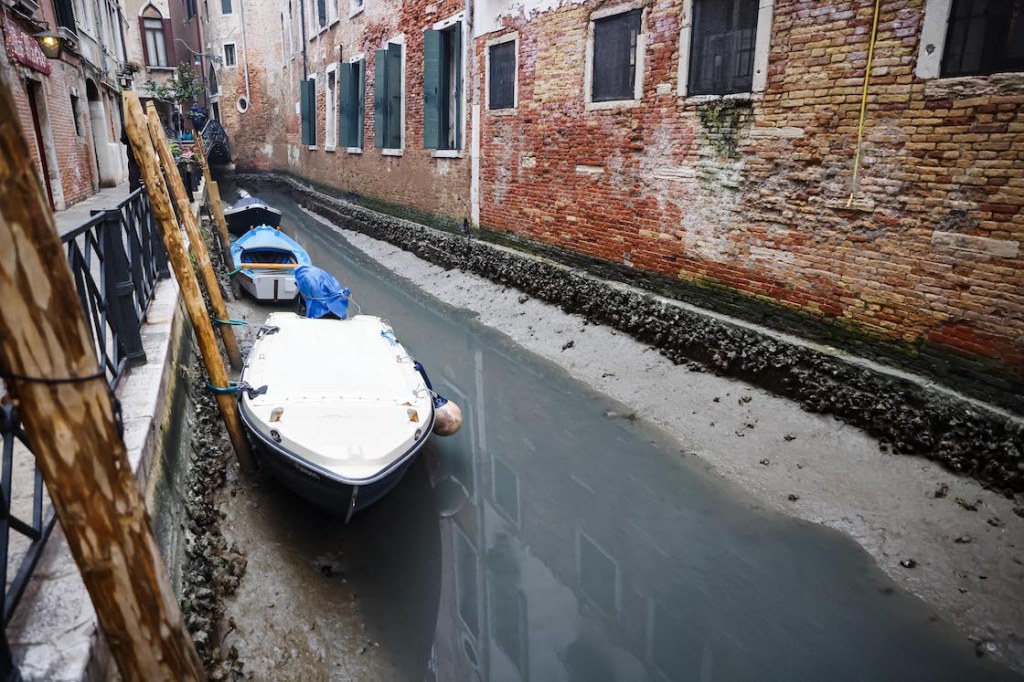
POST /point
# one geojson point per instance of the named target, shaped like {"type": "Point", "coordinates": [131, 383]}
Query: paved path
{"type": "Point", "coordinates": [108, 197]}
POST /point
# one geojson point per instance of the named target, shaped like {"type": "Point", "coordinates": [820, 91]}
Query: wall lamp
{"type": "Point", "coordinates": [51, 43]}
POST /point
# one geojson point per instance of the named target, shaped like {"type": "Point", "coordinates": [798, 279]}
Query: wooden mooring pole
{"type": "Point", "coordinates": [50, 367]}
{"type": "Point", "coordinates": [160, 202]}
{"type": "Point", "coordinates": [195, 236]}
{"type": "Point", "coordinates": [216, 207]}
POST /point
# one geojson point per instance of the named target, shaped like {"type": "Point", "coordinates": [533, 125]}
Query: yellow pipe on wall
{"type": "Point", "coordinates": [864, 104]}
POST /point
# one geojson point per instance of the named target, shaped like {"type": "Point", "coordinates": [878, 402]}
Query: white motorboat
{"type": "Point", "coordinates": [338, 408]}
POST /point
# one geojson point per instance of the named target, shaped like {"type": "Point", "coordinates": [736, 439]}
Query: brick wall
{"type": "Point", "coordinates": [267, 136]}
{"type": "Point", "coordinates": [72, 169]}
{"type": "Point", "coordinates": [751, 196]}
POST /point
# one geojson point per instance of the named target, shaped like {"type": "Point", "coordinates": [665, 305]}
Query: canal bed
{"type": "Point", "coordinates": [554, 538]}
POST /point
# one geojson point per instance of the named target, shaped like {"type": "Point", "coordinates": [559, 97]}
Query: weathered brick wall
{"type": "Point", "coordinates": [751, 197]}
{"type": "Point", "coordinates": [267, 136]}
{"type": "Point", "coordinates": [73, 153]}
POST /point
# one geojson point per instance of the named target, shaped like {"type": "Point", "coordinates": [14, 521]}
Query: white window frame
{"type": "Point", "coordinates": [356, 7]}
{"type": "Point", "coordinates": [400, 151]}
{"type": "Point", "coordinates": [641, 49]}
{"type": "Point", "coordinates": [355, 59]}
{"type": "Point", "coordinates": [224, 51]}
{"type": "Point", "coordinates": [512, 37]}
{"type": "Point", "coordinates": [315, 78]}
{"type": "Point", "coordinates": [762, 50]}
{"type": "Point", "coordinates": [331, 109]}
{"type": "Point", "coordinates": [932, 51]}
{"type": "Point", "coordinates": [333, 12]}
{"type": "Point", "coordinates": [440, 26]}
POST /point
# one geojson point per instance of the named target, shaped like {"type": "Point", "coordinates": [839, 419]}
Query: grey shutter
{"type": "Point", "coordinates": [380, 96]}
{"type": "Point", "coordinates": [307, 111]}
{"type": "Point", "coordinates": [360, 105]}
{"type": "Point", "coordinates": [432, 90]}
{"type": "Point", "coordinates": [395, 96]}
{"type": "Point", "coordinates": [455, 33]}
{"type": "Point", "coordinates": [346, 107]}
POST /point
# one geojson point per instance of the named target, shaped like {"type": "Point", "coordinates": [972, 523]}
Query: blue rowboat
{"type": "Point", "coordinates": [265, 261]}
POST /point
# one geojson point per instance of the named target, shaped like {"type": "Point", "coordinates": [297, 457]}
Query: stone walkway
{"type": "Point", "coordinates": [108, 197]}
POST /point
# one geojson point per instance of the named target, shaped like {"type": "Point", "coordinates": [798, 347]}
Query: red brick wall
{"type": "Point", "coordinates": [267, 137]}
{"type": "Point", "coordinates": [74, 154]}
{"type": "Point", "coordinates": [928, 251]}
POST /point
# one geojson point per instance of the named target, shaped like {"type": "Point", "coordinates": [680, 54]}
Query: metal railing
{"type": "Point", "coordinates": [116, 259]}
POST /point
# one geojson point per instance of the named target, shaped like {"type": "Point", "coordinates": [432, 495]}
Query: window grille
{"type": "Point", "coordinates": [502, 76]}
{"type": "Point", "coordinates": [722, 46]}
{"type": "Point", "coordinates": [614, 66]}
{"type": "Point", "coordinates": [984, 37]}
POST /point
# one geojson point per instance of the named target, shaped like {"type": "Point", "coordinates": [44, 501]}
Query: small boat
{"type": "Point", "coordinates": [248, 212]}
{"type": "Point", "coordinates": [337, 407]}
{"type": "Point", "coordinates": [265, 262]}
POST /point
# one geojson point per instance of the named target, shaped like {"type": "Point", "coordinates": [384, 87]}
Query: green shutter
{"type": "Point", "coordinates": [456, 37]}
{"type": "Point", "coordinates": [307, 111]}
{"type": "Point", "coordinates": [395, 96]}
{"type": "Point", "coordinates": [360, 105]}
{"type": "Point", "coordinates": [432, 90]}
{"type": "Point", "coordinates": [380, 96]}
{"type": "Point", "coordinates": [346, 105]}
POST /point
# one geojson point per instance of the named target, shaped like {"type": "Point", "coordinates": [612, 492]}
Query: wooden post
{"type": "Point", "coordinates": [149, 165]}
{"type": "Point", "coordinates": [195, 237]}
{"type": "Point", "coordinates": [216, 207]}
{"type": "Point", "coordinates": [49, 365]}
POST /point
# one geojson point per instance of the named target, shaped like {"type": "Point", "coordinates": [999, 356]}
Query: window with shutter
{"type": "Point", "coordinates": [722, 46]}
{"type": "Point", "coordinates": [321, 12]}
{"type": "Point", "coordinates": [350, 116]}
{"type": "Point", "coordinates": [442, 88]}
{"type": "Point", "coordinates": [615, 57]}
{"type": "Point", "coordinates": [501, 75]}
{"type": "Point", "coordinates": [984, 37]}
{"type": "Point", "coordinates": [307, 111]}
{"type": "Point", "coordinates": [225, 6]}
{"type": "Point", "coordinates": [330, 118]}
{"type": "Point", "coordinates": [229, 55]}
{"type": "Point", "coordinates": [388, 97]}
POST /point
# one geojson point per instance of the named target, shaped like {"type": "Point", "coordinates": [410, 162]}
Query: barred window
{"type": "Point", "coordinates": [722, 47]}
{"type": "Point", "coordinates": [615, 58]}
{"type": "Point", "coordinates": [984, 37]}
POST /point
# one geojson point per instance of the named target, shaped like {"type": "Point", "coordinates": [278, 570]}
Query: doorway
{"type": "Point", "coordinates": [44, 144]}
{"type": "Point", "coordinates": [107, 174]}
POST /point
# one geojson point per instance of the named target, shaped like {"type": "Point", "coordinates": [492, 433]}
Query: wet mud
{"type": "Point", "coordinates": [909, 419]}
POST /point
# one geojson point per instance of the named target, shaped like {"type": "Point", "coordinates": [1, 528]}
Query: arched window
{"type": "Point", "coordinates": [212, 82]}
{"type": "Point", "coordinates": [156, 35]}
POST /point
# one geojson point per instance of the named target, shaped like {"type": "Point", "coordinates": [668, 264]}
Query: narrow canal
{"type": "Point", "coordinates": [552, 540]}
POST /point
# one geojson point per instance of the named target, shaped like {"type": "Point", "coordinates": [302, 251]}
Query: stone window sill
{"type": "Point", "coordinates": [446, 153]}
{"type": "Point", "coordinates": [614, 104]}
{"type": "Point", "coordinates": [354, 150]}
{"type": "Point", "coordinates": [392, 152]}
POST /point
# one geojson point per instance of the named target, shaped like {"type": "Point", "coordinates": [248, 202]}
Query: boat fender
{"type": "Point", "coordinates": [447, 418]}
{"type": "Point", "coordinates": [447, 415]}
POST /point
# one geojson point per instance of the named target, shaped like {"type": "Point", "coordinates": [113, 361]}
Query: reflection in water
{"type": "Point", "coordinates": [575, 547]}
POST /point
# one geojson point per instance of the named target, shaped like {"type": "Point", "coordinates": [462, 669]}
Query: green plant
{"type": "Point", "coordinates": [184, 87]}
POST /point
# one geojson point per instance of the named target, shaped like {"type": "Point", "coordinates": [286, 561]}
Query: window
{"type": "Point", "coordinates": [354, 7]}
{"type": "Point", "coordinates": [307, 111]}
{"type": "Point", "coordinates": [76, 115]}
{"type": "Point", "coordinates": [722, 46]}
{"type": "Point", "coordinates": [332, 11]}
{"type": "Point", "coordinates": [984, 37]}
{"type": "Point", "coordinates": [212, 84]}
{"type": "Point", "coordinates": [352, 78]}
{"type": "Point", "coordinates": [229, 55]}
{"type": "Point", "coordinates": [501, 75]}
{"type": "Point", "coordinates": [330, 118]}
{"type": "Point", "coordinates": [388, 79]}
{"type": "Point", "coordinates": [155, 36]}
{"type": "Point", "coordinates": [615, 48]}
{"type": "Point", "coordinates": [225, 6]}
{"type": "Point", "coordinates": [190, 9]}
{"type": "Point", "coordinates": [442, 88]}
{"type": "Point", "coordinates": [321, 13]}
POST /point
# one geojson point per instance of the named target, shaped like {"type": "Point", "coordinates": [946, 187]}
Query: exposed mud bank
{"type": "Point", "coordinates": [908, 417]}
{"type": "Point", "coordinates": [212, 569]}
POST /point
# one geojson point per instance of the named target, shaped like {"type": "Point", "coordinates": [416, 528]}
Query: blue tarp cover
{"type": "Point", "coordinates": [321, 292]}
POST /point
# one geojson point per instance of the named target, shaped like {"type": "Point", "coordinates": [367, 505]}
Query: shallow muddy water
{"type": "Point", "coordinates": [556, 538]}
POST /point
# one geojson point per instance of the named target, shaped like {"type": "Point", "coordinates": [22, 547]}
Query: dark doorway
{"type": "Point", "coordinates": [35, 94]}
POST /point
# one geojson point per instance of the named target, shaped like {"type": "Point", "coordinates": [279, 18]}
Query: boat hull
{"type": "Point", "coordinates": [269, 288]}
{"type": "Point", "coordinates": [320, 487]}
{"type": "Point", "coordinates": [241, 221]}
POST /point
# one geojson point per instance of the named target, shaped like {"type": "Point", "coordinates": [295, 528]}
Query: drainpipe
{"type": "Point", "coordinates": [245, 56]}
{"type": "Point", "coordinates": [302, 27]}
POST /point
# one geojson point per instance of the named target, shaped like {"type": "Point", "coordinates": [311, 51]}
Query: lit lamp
{"type": "Point", "coordinates": [51, 43]}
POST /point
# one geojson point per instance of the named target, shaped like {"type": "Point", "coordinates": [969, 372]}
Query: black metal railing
{"type": "Point", "coordinates": [116, 259]}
